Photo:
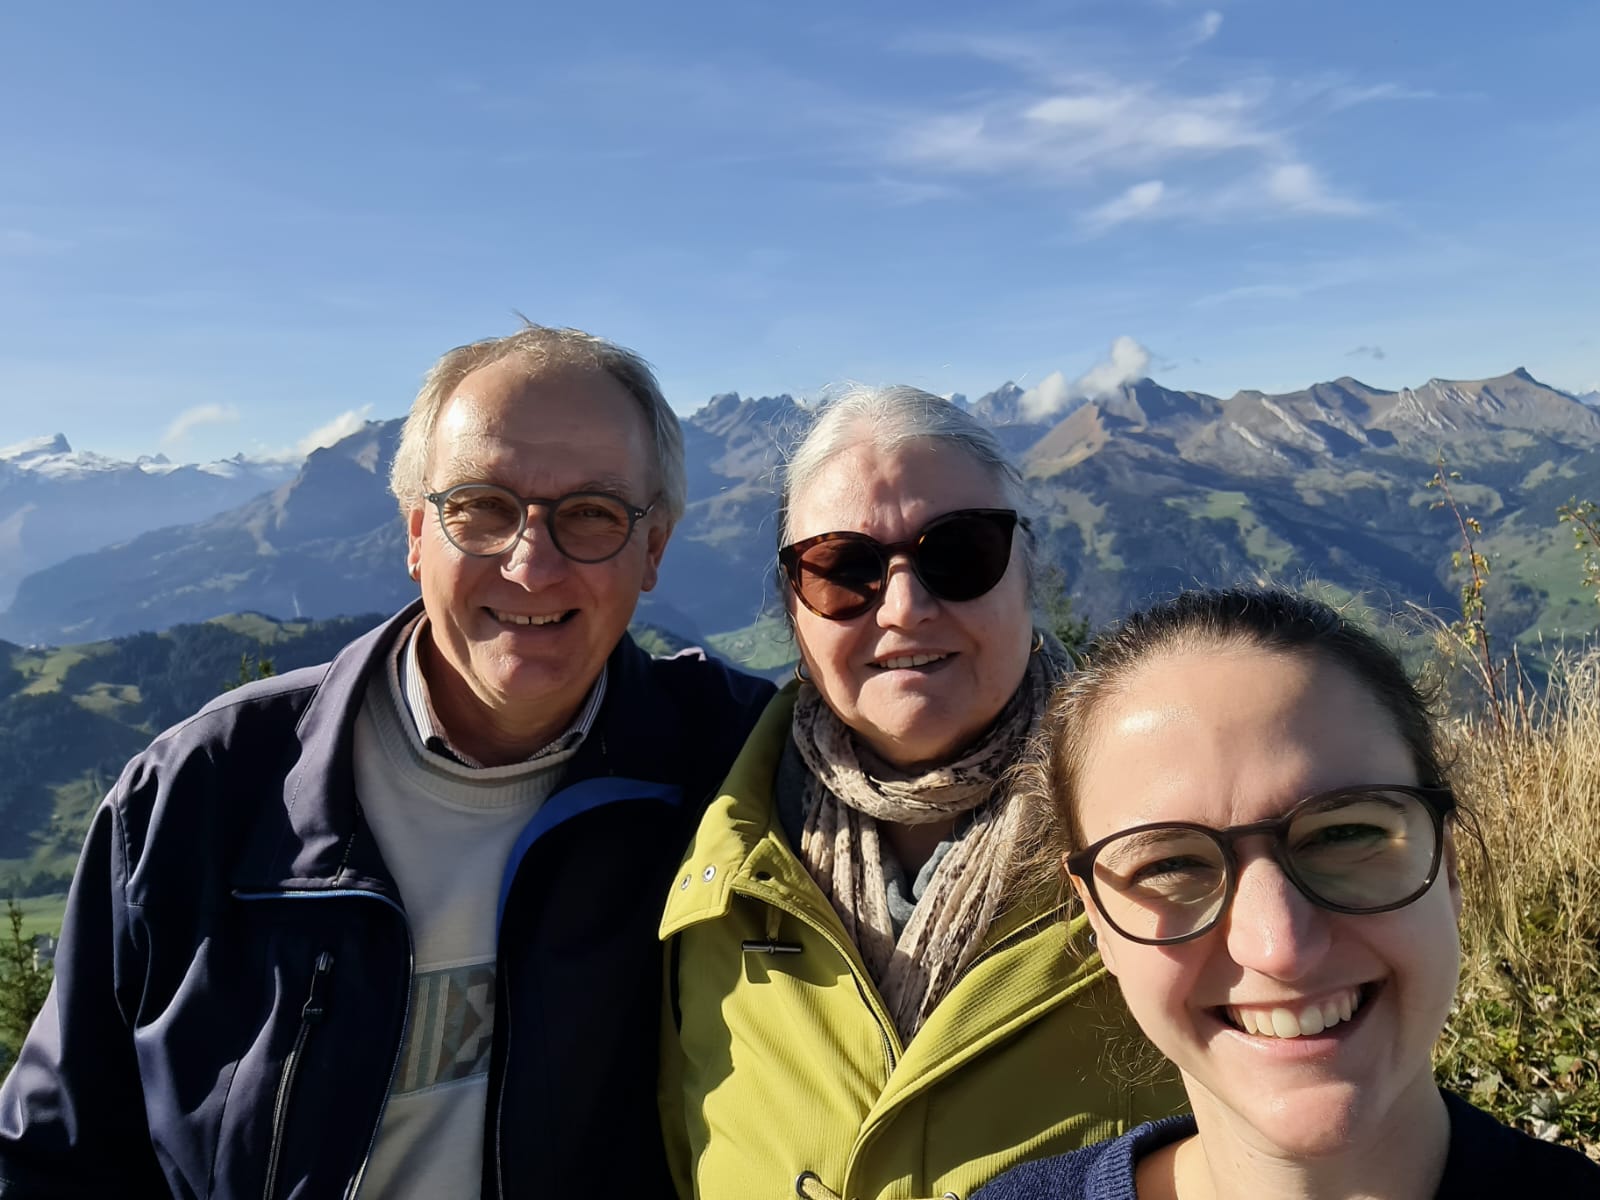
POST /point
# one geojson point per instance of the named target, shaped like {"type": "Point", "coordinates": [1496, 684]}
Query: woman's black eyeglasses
{"type": "Point", "coordinates": [484, 520]}
{"type": "Point", "coordinates": [958, 556]}
{"type": "Point", "coordinates": [1366, 849]}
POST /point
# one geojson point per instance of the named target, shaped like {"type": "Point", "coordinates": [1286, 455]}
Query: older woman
{"type": "Point", "coordinates": [862, 1001]}
{"type": "Point", "coordinates": [1252, 806]}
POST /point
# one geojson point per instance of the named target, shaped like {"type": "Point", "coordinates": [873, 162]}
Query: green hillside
{"type": "Point", "coordinates": [71, 716]}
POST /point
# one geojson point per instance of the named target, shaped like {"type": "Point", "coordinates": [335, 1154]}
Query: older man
{"type": "Point", "coordinates": [387, 925]}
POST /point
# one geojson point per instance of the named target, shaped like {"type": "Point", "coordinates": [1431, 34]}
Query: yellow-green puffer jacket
{"type": "Point", "coordinates": [779, 1057]}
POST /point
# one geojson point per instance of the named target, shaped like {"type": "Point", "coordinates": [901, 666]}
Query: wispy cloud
{"type": "Point", "coordinates": [1079, 118]}
{"type": "Point", "coordinates": [900, 192]}
{"type": "Point", "coordinates": [194, 418]}
{"type": "Point", "coordinates": [1128, 361]}
{"type": "Point", "coordinates": [1284, 189]}
{"type": "Point", "coordinates": [1299, 188]}
{"type": "Point", "coordinates": [1373, 352]}
{"type": "Point", "coordinates": [336, 430]}
{"type": "Point", "coordinates": [1142, 200]}
{"type": "Point", "coordinates": [1206, 27]}
{"type": "Point", "coordinates": [1100, 126]}
{"type": "Point", "coordinates": [1344, 95]}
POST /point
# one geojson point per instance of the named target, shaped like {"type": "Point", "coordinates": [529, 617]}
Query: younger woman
{"type": "Point", "coordinates": [1248, 797]}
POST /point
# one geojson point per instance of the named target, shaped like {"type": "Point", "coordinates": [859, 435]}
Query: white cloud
{"type": "Point", "coordinates": [1049, 396]}
{"type": "Point", "coordinates": [191, 419]}
{"type": "Point", "coordinates": [1096, 116]}
{"type": "Point", "coordinates": [1375, 353]}
{"type": "Point", "coordinates": [1254, 291]}
{"type": "Point", "coordinates": [1140, 200]}
{"type": "Point", "coordinates": [1127, 362]}
{"type": "Point", "coordinates": [1290, 189]}
{"type": "Point", "coordinates": [1298, 187]}
{"type": "Point", "coordinates": [1349, 95]}
{"type": "Point", "coordinates": [1098, 126]}
{"type": "Point", "coordinates": [336, 430]}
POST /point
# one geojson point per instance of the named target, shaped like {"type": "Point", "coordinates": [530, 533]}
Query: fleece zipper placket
{"type": "Point", "coordinates": [313, 1012]}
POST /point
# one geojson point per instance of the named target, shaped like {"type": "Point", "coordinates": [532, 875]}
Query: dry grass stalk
{"type": "Point", "coordinates": [1525, 1038]}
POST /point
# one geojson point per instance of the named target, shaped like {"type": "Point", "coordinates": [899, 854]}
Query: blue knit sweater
{"type": "Point", "coordinates": [1486, 1159]}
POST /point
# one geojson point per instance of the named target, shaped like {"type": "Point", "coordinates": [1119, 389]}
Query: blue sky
{"type": "Point", "coordinates": [226, 229]}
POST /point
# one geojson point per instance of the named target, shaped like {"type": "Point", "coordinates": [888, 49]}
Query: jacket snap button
{"type": "Point", "coordinates": [683, 883]}
{"type": "Point", "coordinates": [708, 874]}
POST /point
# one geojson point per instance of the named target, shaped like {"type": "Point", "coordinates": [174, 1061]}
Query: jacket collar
{"type": "Point", "coordinates": [314, 837]}
{"type": "Point", "coordinates": [1036, 960]}
{"type": "Point", "coordinates": [738, 841]}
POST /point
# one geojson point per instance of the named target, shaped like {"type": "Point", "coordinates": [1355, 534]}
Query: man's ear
{"type": "Point", "coordinates": [1104, 939]}
{"type": "Point", "coordinates": [655, 545]}
{"type": "Point", "coordinates": [414, 542]}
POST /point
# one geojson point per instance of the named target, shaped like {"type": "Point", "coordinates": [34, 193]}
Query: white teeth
{"type": "Point", "coordinates": [518, 619]}
{"type": "Point", "coordinates": [909, 660]}
{"type": "Point", "coordinates": [1285, 1023]}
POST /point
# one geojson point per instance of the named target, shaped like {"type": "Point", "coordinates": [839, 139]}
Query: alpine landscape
{"type": "Point", "coordinates": [1137, 492]}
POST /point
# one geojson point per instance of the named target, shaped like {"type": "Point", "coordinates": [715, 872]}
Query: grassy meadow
{"type": "Point", "coordinates": [1524, 1040]}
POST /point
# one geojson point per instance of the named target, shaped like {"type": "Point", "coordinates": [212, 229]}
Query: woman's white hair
{"type": "Point", "coordinates": [888, 418]}
{"type": "Point", "coordinates": [542, 348]}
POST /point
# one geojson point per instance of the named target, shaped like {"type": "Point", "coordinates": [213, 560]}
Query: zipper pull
{"type": "Point", "coordinates": [316, 1003]}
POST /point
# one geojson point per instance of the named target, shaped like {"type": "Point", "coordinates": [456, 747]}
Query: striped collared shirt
{"type": "Point", "coordinates": [414, 690]}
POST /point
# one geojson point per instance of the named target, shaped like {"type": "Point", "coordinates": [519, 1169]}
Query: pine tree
{"type": "Point", "coordinates": [24, 984]}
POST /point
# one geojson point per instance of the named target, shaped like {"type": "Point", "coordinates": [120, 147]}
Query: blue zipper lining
{"type": "Point", "coordinates": [573, 801]}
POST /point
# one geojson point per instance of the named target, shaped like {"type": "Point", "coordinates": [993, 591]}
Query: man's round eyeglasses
{"type": "Point", "coordinates": [484, 520]}
{"type": "Point", "coordinates": [1366, 849]}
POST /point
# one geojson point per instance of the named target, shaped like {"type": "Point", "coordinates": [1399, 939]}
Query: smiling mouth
{"type": "Point", "coordinates": [1304, 1018]}
{"type": "Point", "coordinates": [525, 620]}
{"type": "Point", "coordinates": [904, 662]}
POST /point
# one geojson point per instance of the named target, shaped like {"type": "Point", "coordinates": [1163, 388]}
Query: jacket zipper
{"type": "Point", "coordinates": [354, 1186]}
{"type": "Point", "coordinates": [502, 1022]}
{"type": "Point", "coordinates": [1027, 929]}
{"type": "Point", "coordinates": [310, 1015]}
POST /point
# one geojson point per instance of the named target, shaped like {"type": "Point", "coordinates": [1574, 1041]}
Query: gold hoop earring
{"type": "Point", "coordinates": [1038, 642]}
{"type": "Point", "coordinates": [800, 671]}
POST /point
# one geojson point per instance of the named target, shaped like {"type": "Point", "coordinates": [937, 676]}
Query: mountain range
{"type": "Point", "coordinates": [56, 501]}
{"type": "Point", "coordinates": [1138, 491]}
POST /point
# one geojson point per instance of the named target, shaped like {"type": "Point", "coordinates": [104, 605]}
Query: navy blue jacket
{"type": "Point", "coordinates": [234, 971]}
{"type": "Point", "coordinates": [1486, 1161]}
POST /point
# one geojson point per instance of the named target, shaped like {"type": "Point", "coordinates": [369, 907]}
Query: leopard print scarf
{"type": "Point", "coordinates": [850, 790]}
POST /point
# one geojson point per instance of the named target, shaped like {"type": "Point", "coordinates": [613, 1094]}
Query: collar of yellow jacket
{"type": "Point", "coordinates": [739, 839]}
{"type": "Point", "coordinates": [1034, 958]}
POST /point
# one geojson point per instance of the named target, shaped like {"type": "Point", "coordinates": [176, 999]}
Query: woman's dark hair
{"type": "Point", "coordinates": [1271, 619]}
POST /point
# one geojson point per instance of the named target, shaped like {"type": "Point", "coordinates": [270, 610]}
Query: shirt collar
{"type": "Point", "coordinates": [414, 691]}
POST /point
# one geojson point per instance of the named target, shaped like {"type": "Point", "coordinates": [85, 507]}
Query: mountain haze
{"type": "Point", "coordinates": [1139, 491]}
{"type": "Point", "coordinates": [56, 502]}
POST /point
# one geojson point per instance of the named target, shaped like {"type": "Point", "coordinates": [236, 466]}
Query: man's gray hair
{"type": "Point", "coordinates": [542, 348]}
{"type": "Point", "coordinates": [889, 417]}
